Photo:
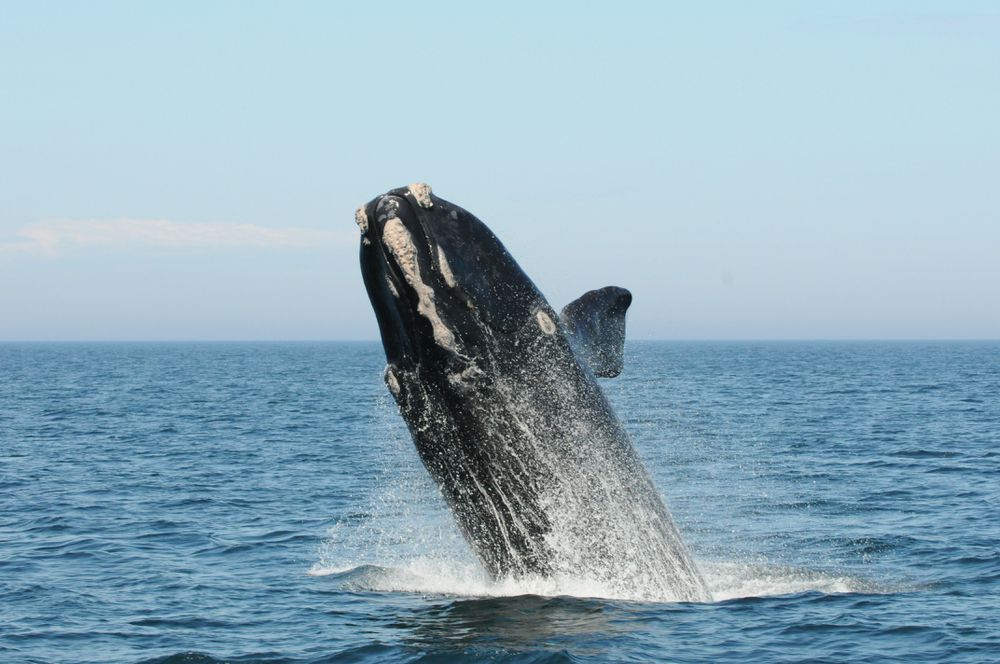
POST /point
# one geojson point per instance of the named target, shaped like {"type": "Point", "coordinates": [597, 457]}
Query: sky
{"type": "Point", "coordinates": [764, 170]}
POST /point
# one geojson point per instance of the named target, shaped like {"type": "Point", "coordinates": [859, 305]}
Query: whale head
{"type": "Point", "coordinates": [446, 293]}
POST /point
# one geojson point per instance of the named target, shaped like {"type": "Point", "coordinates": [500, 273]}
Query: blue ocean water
{"type": "Point", "coordinates": [262, 503]}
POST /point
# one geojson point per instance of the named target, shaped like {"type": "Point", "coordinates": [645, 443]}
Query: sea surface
{"type": "Point", "coordinates": [262, 502]}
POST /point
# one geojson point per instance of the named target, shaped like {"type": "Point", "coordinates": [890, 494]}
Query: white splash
{"type": "Point", "coordinates": [461, 377]}
{"type": "Point", "coordinates": [404, 539]}
{"type": "Point", "coordinates": [465, 578]}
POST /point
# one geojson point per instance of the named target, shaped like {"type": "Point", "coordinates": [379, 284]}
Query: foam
{"type": "Point", "coordinates": [444, 576]}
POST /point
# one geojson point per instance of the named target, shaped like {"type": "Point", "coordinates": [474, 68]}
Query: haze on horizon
{"type": "Point", "coordinates": [749, 170]}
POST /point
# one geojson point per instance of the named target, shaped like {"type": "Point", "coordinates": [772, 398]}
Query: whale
{"type": "Point", "coordinates": [501, 396]}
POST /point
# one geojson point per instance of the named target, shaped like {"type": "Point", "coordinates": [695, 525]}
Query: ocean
{"type": "Point", "coordinates": [262, 502]}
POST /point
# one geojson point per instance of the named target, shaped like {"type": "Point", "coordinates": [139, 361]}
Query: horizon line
{"type": "Point", "coordinates": [640, 340]}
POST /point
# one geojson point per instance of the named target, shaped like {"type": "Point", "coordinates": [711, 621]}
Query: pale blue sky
{"type": "Point", "coordinates": [748, 169]}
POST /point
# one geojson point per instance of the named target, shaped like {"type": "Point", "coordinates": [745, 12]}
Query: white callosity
{"type": "Point", "coordinates": [449, 278]}
{"type": "Point", "coordinates": [421, 193]}
{"type": "Point", "coordinates": [400, 244]}
{"type": "Point", "coordinates": [392, 381]}
{"type": "Point", "coordinates": [361, 219]}
{"type": "Point", "coordinates": [545, 322]}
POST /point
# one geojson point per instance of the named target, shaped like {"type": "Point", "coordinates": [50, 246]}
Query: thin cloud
{"type": "Point", "coordinates": [52, 237]}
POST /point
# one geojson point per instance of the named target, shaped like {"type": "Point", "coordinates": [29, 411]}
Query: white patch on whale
{"type": "Point", "coordinates": [544, 322]}
{"type": "Point", "coordinates": [391, 381]}
{"type": "Point", "coordinates": [449, 277]}
{"type": "Point", "coordinates": [361, 219]}
{"type": "Point", "coordinates": [460, 377]}
{"type": "Point", "coordinates": [400, 244]}
{"type": "Point", "coordinates": [387, 208]}
{"type": "Point", "coordinates": [421, 193]}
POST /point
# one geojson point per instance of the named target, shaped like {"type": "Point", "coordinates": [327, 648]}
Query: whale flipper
{"type": "Point", "coordinates": [595, 323]}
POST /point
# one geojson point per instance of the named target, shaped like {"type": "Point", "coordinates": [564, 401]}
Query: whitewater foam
{"type": "Point", "coordinates": [406, 541]}
{"type": "Point", "coordinates": [726, 581]}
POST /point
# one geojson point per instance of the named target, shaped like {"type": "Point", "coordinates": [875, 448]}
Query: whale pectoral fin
{"type": "Point", "coordinates": [595, 325]}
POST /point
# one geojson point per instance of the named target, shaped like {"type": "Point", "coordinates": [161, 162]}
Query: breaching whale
{"type": "Point", "coordinates": [500, 396]}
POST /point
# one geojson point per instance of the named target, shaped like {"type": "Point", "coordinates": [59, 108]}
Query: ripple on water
{"type": "Point", "coordinates": [164, 503]}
